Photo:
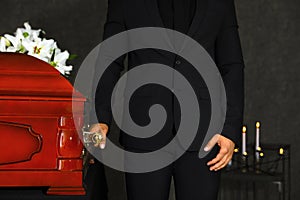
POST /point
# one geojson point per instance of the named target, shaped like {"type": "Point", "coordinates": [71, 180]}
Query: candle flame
{"type": "Point", "coordinates": [245, 153]}
{"type": "Point", "coordinates": [244, 129]}
{"type": "Point", "coordinates": [257, 124]}
{"type": "Point", "coordinates": [281, 151]}
{"type": "Point", "coordinates": [236, 150]}
{"type": "Point", "coordinates": [258, 149]}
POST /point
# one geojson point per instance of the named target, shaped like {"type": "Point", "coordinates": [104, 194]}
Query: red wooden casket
{"type": "Point", "coordinates": [38, 141]}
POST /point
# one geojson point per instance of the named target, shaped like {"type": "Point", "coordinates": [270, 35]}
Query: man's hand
{"type": "Point", "coordinates": [225, 154]}
{"type": "Point", "coordinates": [103, 129]}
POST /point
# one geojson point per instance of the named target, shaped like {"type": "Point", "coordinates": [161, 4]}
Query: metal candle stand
{"type": "Point", "coordinates": [268, 164]}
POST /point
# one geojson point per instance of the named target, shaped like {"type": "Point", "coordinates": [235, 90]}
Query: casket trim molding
{"type": "Point", "coordinates": [28, 142]}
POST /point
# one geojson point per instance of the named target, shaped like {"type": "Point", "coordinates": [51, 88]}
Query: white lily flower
{"type": "Point", "coordinates": [2, 44]}
{"type": "Point", "coordinates": [41, 49]}
{"type": "Point", "coordinates": [61, 57]}
{"type": "Point", "coordinates": [16, 43]}
{"type": "Point", "coordinates": [22, 35]}
{"type": "Point", "coordinates": [27, 41]}
{"type": "Point", "coordinates": [59, 61]}
{"type": "Point", "coordinates": [28, 33]}
{"type": "Point", "coordinates": [63, 69]}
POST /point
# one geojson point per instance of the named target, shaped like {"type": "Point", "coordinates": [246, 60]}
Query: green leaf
{"type": "Point", "coordinates": [72, 57]}
{"type": "Point", "coordinates": [53, 63]}
{"type": "Point", "coordinates": [22, 49]}
{"type": "Point", "coordinates": [25, 34]}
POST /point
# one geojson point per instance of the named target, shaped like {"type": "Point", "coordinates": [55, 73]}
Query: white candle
{"type": "Point", "coordinates": [257, 146]}
{"type": "Point", "coordinates": [244, 152]}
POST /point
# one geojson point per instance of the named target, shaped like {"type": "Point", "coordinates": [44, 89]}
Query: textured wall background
{"type": "Point", "coordinates": [75, 24]}
{"type": "Point", "coordinates": [269, 31]}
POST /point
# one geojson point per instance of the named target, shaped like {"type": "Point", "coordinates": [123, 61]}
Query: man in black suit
{"type": "Point", "coordinates": [213, 24]}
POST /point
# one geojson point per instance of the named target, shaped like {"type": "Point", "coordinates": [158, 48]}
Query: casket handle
{"type": "Point", "coordinates": [92, 138]}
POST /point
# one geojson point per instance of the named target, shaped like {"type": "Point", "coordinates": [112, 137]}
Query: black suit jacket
{"type": "Point", "coordinates": [215, 27]}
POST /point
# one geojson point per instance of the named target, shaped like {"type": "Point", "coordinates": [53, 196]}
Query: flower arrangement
{"type": "Point", "coordinates": [28, 41]}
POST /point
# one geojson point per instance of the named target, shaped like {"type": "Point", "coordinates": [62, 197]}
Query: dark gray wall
{"type": "Point", "coordinates": [75, 24]}
{"type": "Point", "coordinates": [269, 31]}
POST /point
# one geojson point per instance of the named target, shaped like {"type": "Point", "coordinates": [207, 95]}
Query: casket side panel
{"type": "Point", "coordinates": [19, 142]}
{"type": "Point", "coordinates": [43, 118]}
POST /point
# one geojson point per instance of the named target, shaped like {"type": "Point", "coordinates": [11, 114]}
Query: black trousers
{"type": "Point", "coordinates": [192, 178]}
{"type": "Point", "coordinates": [95, 182]}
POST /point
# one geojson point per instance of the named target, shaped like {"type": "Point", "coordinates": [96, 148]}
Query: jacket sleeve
{"type": "Point", "coordinates": [103, 89]}
{"type": "Point", "coordinates": [229, 60]}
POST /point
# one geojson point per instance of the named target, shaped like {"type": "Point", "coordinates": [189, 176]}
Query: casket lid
{"type": "Point", "coordinates": [23, 75]}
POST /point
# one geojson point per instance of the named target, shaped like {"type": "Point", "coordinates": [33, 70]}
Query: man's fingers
{"type": "Point", "coordinates": [213, 141]}
{"type": "Point", "coordinates": [94, 129]}
{"type": "Point", "coordinates": [221, 154]}
{"type": "Point", "coordinates": [224, 156]}
{"type": "Point", "coordinates": [221, 159]}
{"type": "Point", "coordinates": [103, 141]}
{"type": "Point", "coordinates": [102, 129]}
{"type": "Point", "coordinates": [224, 164]}
{"type": "Point", "coordinates": [219, 164]}
{"type": "Point", "coordinates": [217, 158]}
{"type": "Point", "coordinates": [100, 140]}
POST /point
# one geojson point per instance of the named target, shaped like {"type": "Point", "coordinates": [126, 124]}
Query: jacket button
{"type": "Point", "coordinates": [178, 62]}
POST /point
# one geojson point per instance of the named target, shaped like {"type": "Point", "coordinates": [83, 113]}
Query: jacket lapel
{"type": "Point", "coordinates": [201, 9]}
{"type": "Point", "coordinates": [200, 12]}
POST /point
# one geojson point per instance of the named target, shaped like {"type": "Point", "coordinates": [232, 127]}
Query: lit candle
{"type": "Point", "coordinates": [244, 152]}
{"type": "Point", "coordinates": [257, 146]}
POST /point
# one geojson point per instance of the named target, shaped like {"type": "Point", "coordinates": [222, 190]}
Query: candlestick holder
{"type": "Point", "coordinates": [259, 155]}
{"type": "Point", "coordinates": [244, 162]}
{"type": "Point", "coordinates": [272, 166]}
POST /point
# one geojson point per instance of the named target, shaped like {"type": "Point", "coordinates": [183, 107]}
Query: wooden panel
{"type": "Point", "coordinates": [23, 75]}
{"type": "Point", "coordinates": [39, 108]}
{"type": "Point", "coordinates": [19, 143]}
{"type": "Point", "coordinates": [39, 142]}
{"type": "Point", "coordinates": [22, 64]}
{"type": "Point", "coordinates": [47, 128]}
